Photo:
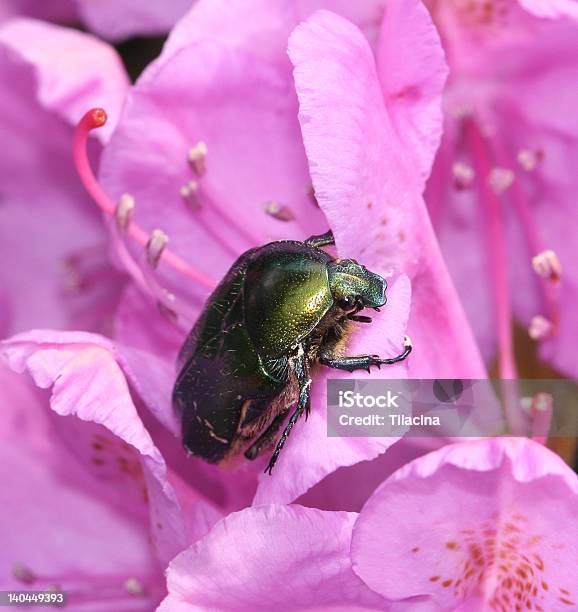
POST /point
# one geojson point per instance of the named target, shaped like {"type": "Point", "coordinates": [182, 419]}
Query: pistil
{"type": "Point", "coordinates": [96, 118]}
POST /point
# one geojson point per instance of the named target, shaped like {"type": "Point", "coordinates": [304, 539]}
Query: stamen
{"type": "Point", "coordinates": [155, 247]}
{"type": "Point", "coordinates": [522, 206]}
{"type": "Point", "coordinates": [540, 328]}
{"type": "Point", "coordinates": [190, 195]}
{"type": "Point", "coordinates": [96, 118]}
{"type": "Point", "coordinates": [547, 265]}
{"type": "Point", "coordinates": [197, 158]}
{"type": "Point", "coordinates": [500, 179]}
{"type": "Point", "coordinates": [93, 588]}
{"type": "Point", "coordinates": [279, 211]}
{"type": "Point", "coordinates": [529, 159]}
{"type": "Point", "coordinates": [463, 175]}
{"type": "Point", "coordinates": [540, 407]}
{"type": "Point", "coordinates": [167, 311]}
{"type": "Point", "coordinates": [134, 586]}
{"type": "Point", "coordinates": [23, 573]}
{"type": "Point", "coordinates": [496, 252]}
{"type": "Point", "coordinates": [124, 211]}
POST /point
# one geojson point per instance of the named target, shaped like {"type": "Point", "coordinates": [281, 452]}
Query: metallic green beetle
{"type": "Point", "coordinates": [281, 308]}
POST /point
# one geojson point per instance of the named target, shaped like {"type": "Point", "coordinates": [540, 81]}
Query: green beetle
{"type": "Point", "coordinates": [281, 308]}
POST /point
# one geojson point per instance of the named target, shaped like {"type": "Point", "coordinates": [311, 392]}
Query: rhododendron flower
{"type": "Point", "coordinates": [86, 502]}
{"type": "Point", "coordinates": [194, 181]}
{"type": "Point", "coordinates": [501, 195]}
{"type": "Point", "coordinates": [55, 270]}
{"type": "Point", "coordinates": [111, 19]}
{"type": "Point", "coordinates": [487, 524]}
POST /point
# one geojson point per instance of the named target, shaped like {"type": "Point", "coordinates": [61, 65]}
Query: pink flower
{"type": "Point", "coordinates": [87, 502]}
{"type": "Point", "coordinates": [487, 524]}
{"type": "Point", "coordinates": [54, 270]}
{"type": "Point", "coordinates": [210, 151]}
{"type": "Point", "coordinates": [501, 195]}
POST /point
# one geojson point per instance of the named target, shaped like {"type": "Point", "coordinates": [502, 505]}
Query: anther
{"type": "Point", "coordinates": [134, 586]}
{"type": "Point", "coordinates": [167, 312]}
{"type": "Point", "coordinates": [547, 265]}
{"type": "Point", "coordinates": [528, 159]}
{"type": "Point", "coordinates": [197, 158]}
{"type": "Point", "coordinates": [279, 211]}
{"type": "Point", "coordinates": [155, 246]}
{"type": "Point", "coordinates": [463, 175]}
{"type": "Point", "coordinates": [190, 195]}
{"type": "Point", "coordinates": [500, 179]}
{"type": "Point", "coordinates": [23, 573]}
{"type": "Point", "coordinates": [124, 211]}
{"type": "Point", "coordinates": [539, 328]}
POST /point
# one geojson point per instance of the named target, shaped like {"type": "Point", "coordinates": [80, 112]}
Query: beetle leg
{"type": "Point", "coordinates": [362, 362]}
{"type": "Point", "coordinates": [266, 437]}
{"type": "Point", "coordinates": [359, 318]}
{"type": "Point", "coordinates": [321, 240]}
{"type": "Point", "coordinates": [303, 404]}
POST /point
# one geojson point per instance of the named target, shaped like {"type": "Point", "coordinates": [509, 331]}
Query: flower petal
{"type": "Point", "coordinates": [53, 243]}
{"type": "Point", "coordinates": [369, 191]}
{"type": "Point", "coordinates": [286, 557]}
{"type": "Point", "coordinates": [88, 383]}
{"type": "Point", "coordinates": [487, 522]}
{"type": "Point", "coordinates": [120, 19]}
{"type": "Point", "coordinates": [74, 71]}
{"type": "Point", "coordinates": [551, 8]}
{"type": "Point", "coordinates": [412, 87]}
{"type": "Point", "coordinates": [57, 521]}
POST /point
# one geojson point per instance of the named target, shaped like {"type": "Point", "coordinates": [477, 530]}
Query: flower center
{"type": "Point", "coordinates": [155, 248]}
{"type": "Point", "coordinates": [499, 179]}
{"type": "Point", "coordinates": [503, 565]}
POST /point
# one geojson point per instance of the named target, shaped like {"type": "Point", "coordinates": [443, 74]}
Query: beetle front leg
{"type": "Point", "coordinates": [362, 362]}
{"type": "Point", "coordinates": [321, 240]}
{"type": "Point", "coordinates": [303, 405]}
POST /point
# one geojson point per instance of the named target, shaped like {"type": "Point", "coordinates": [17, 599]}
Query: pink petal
{"type": "Point", "coordinates": [309, 454]}
{"type": "Point", "coordinates": [87, 382]}
{"type": "Point", "coordinates": [51, 235]}
{"type": "Point", "coordinates": [367, 188]}
{"type": "Point", "coordinates": [349, 487]}
{"type": "Point", "coordinates": [149, 344]}
{"type": "Point", "coordinates": [285, 557]}
{"type": "Point", "coordinates": [474, 524]}
{"type": "Point", "coordinates": [119, 19]}
{"type": "Point", "coordinates": [60, 521]}
{"type": "Point", "coordinates": [74, 71]}
{"type": "Point", "coordinates": [262, 27]}
{"type": "Point", "coordinates": [412, 87]}
{"type": "Point", "coordinates": [551, 8]}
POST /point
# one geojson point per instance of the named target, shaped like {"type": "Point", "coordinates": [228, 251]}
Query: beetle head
{"type": "Point", "coordinates": [354, 287]}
